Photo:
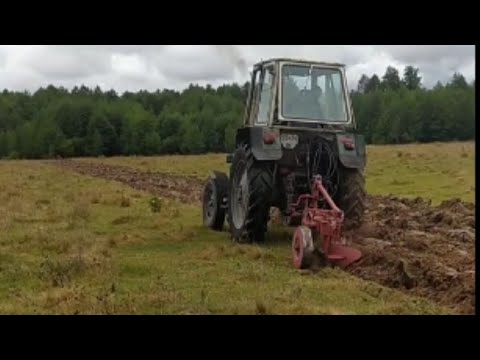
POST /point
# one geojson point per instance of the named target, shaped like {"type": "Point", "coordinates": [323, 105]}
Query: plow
{"type": "Point", "coordinates": [299, 152]}
{"type": "Point", "coordinates": [318, 241]}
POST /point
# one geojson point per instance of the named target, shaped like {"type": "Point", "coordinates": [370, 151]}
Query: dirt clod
{"type": "Point", "coordinates": [431, 257]}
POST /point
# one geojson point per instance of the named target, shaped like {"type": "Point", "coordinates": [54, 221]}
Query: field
{"type": "Point", "coordinates": [79, 236]}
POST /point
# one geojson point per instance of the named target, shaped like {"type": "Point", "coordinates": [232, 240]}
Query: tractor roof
{"type": "Point", "coordinates": [309, 62]}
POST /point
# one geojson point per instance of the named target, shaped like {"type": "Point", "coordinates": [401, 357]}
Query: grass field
{"type": "Point", "coordinates": [437, 171]}
{"type": "Point", "coordinates": [75, 244]}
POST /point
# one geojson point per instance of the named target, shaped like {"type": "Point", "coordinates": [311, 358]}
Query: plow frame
{"type": "Point", "coordinates": [324, 223]}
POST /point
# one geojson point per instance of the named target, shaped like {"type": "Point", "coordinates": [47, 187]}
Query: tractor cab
{"type": "Point", "coordinates": [298, 93]}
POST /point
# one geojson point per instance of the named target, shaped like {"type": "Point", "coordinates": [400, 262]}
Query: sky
{"type": "Point", "coordinates": [152, 67]}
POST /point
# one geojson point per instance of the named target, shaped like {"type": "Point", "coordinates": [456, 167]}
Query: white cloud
{"type": "Point", "coordinates": [60, 63]}
{"type": "Point", "coordinates": [131, 65]}
{"type": "Point", "coordinates": [426, 54]}
{"type": "Point", "coordinates": [193, 63]}
{"type": "Point", "coordinates": [135, 67]}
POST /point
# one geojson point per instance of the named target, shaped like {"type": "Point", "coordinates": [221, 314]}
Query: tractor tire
{"type": "Point", "coordinates": [249, 196]}
{"type": "Point", "coordinates": [351, 197]}
{"type": "Point", "coordinates": [214, 201]}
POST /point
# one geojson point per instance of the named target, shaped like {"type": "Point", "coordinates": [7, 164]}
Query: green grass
{"type": "Point", "coordinates": [437, 171]}
{"type": "Point", "coordinates": [72, 244]}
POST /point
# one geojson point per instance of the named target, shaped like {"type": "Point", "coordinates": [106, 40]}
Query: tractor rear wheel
{"type": "Point", "coordinates": [351, 196]}
{"type": "Point", "coordinates": [249, 196]}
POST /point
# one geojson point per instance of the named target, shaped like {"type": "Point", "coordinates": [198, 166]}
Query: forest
{"type": "Point", "coordinates": [56, 122]}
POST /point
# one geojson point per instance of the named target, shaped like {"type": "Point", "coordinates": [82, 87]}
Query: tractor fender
{"type": "Point", "coordinates": [269, 150]}
{"type": "Point", "coordinates": [352, 150]}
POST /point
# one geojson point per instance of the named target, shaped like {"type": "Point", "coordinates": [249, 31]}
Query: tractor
{"type": "Point", "coordinates": [298, 151]}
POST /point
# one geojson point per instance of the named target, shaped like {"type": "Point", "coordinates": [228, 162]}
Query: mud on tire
{"type": "Point", "coordinates": [351, 196]}
{"type": "Point", "coordinates": [249, 196]}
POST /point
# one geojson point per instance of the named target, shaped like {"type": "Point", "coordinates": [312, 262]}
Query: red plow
{"type": "Point", "coordinates": [318, 241]}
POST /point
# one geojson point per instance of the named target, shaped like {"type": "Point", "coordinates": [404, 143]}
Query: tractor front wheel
{"type": "Point", "coordinates": [214, 201]}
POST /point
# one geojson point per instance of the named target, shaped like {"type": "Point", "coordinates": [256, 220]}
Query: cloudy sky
{"type": "Point", "coordinates": [151, 67]}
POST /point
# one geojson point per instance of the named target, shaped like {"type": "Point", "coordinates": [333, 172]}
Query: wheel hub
{"type": "Point", "coordinates": [209, 202]}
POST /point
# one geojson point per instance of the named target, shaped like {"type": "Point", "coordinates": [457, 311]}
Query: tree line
{"type": "Point", "coordinates": [55, 121]}
{"type": "Point", "coordinates": [395, 109]}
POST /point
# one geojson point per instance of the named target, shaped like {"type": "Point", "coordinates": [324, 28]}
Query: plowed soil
{"type": "Point", "coordinates": [407, 244]}
{"type": "Point", "coordinates": [424, 250]}
{"type": "Point", "coordinates": [185, 189]}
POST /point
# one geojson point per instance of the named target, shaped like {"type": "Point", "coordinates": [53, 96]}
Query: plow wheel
{"type": "Point", "coordinates": [214, 201]}
{"type": "Point", "coordinates": [303, 249]}
{"type": "Point", "coordinates": [306, 249]}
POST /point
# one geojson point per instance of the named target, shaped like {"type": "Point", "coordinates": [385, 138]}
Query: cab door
{"type": "Point", "coordinates": [262, 97]}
